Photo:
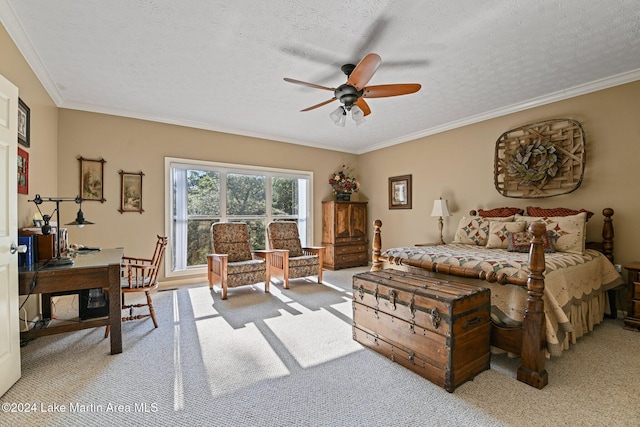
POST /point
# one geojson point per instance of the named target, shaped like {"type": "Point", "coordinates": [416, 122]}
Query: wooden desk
{"type": "Point", "coordinates": [93, 270]}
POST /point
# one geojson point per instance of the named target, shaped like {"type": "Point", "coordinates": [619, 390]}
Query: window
{"type": "Point", "coordinates": [201, 193]}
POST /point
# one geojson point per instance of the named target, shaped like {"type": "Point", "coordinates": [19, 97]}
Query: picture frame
{"type": "Point", "coordinates": [23, 171]}
{"type": "Point", "coordinates": [400, 192]}
{"type": "Point", "coordinates": [92, 179]}
{"type": "Point", "coordinates": [24, 124]}
{"type": "Point", "coordinates": [131, 192]}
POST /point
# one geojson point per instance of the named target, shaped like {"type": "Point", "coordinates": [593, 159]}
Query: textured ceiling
{"type": "Point", "coordinates": [220, 65]}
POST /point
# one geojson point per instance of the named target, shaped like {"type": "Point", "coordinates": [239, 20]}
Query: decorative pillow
{"type": "Point", "coordinates": [521, 242]}
{"type": "Point", "coordinates": [475, 230]}
{"type": "Point", "coordinates": [499, 212]}
{"type": "Point", "coordinates": [499, 233]}
{"type": "Point", "coordinates": [541, 212]}
{"type": "Point", "coordinates": [569, 232]}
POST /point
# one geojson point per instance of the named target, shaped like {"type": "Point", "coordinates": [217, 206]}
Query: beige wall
{"type": "Point", "coordinates": [458, 165]}
{"type": "Point", "coordinates": [137, 145]}
{"type": "Point", "coordinates": [43, 177]}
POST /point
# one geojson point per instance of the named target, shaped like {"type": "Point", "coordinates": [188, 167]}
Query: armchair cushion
{"type": "Point", "coordinates": [292, 245]}
{"type": "Point", "coordinates": [303, 266]}
{"type": "Point", "coordinates": [249, 266]}
{"type": "Point", "coordinates": [303, 261]}
{"type": "Point", "coordinates": [284, 235]}
{"type": "Point", "coordinates": [231, 239]}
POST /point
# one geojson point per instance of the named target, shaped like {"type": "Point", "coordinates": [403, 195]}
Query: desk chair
{"type": "Point", "coordinates": [141, 275]}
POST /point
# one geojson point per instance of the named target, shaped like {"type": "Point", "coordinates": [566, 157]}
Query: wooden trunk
{"type": "Point", "coordinates": [436, 328]}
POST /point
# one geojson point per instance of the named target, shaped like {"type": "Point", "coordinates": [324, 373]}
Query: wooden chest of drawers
{"type": "Point", "coordinates": [344, 237]}
{"type": "Point", "coordinates": [346, 255]}
{"type": "Point", "coordinates": [632, 320]}
{"type": "Point", "coordinates": [438, 329]}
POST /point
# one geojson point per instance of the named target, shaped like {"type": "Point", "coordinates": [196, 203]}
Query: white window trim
{"type": "Point", "coordinates": [168, 193]}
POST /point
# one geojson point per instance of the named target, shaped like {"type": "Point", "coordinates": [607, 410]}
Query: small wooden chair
{"type": "Point", "coordinates": [141, 275]}
{"type": "Point", "coordinates": [232, 262]}
{"type": "Point", "coordinates": [289, 259]}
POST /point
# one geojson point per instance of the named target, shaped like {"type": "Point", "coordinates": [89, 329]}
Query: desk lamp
{"type": "Point", "coordinates": [440, 209]}
{"type": "Point", "coordinates": [80, 221]}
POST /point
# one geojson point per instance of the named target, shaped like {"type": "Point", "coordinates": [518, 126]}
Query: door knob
{"type": "Point", "coordinates": [20, 248]}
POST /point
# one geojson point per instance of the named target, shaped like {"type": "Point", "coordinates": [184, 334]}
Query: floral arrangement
{"type": "Point", "coordinates": [343, 181]}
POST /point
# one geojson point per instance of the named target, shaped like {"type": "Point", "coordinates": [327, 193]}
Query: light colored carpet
{"type": "Point", "coordinates": [288, 359]}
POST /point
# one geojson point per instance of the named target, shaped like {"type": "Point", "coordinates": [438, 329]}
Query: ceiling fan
{"type": "Point", "coordinates": [352, 93]}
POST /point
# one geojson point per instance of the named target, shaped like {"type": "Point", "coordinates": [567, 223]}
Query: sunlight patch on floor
{"type": "Point", "coordinates": [345, 308]}
{"type": "Point", "coordinates": [178, 388]}
{"type": "Point", "coordinates": [245, 354]}
{"type": "Point", "coordinates": [200, 299]}
{"type": "Point", "coordinates": [314, 337]}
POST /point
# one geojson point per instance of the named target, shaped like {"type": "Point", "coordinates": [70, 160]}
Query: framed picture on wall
{"type": "Point", "coordinates": [400, 192]}
{"type": "Point", "coordinates": [92, 179]}
{"type": "Point", "coordinates": [131, 192]}
{"type": "Point", "coordinates": [24, 124]}
{"type": "Point", "coordinates": [23, 171]}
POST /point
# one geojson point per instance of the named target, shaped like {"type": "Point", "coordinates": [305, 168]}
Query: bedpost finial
{"type": "Point", "coordinates": [607, 212]}
{"type": "Point", "coordinates": [537, 229]}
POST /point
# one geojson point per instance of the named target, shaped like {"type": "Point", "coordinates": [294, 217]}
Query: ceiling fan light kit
{"type": "Point", "coordinates": [339, 116]}
{"type": "Point", "coordinates": [357, 115]}
{"type": "Point", "coordinates": [352, 93]}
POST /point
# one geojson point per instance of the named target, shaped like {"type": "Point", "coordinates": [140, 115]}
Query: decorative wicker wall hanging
{"type": "Point", "coordinates": [541, 159]}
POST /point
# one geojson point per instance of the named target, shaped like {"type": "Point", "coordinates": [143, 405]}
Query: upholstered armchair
{"type": "Point", "coordinates": [289, 260]}
{"type": "Point", "coordinates": [232, 262]}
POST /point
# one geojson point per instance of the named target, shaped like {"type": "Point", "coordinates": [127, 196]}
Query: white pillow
{"type": "Point", "coordinates": [475, 230]}
{"type": "Point", "coordinates": [499, 233]}
{"type": "Point", "coordinates": [569, 232]}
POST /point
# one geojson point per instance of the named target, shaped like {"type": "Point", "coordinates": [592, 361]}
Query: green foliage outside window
{"type": "Point", "coordinates": [245, 202]}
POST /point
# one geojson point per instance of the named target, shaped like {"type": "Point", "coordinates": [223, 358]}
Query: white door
{"type": "Point", "coordinates": [9, 324]}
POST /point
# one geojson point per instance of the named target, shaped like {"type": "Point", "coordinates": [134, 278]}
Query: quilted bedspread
{"type": "Point", "coordinates": [575, 295]}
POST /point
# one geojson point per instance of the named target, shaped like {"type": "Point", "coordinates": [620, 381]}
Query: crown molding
{"type": "Point", "coordinates": [560, 95]}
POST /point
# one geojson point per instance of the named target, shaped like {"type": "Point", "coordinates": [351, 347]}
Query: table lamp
{"type": "Point", "coordinates": [440, 209]}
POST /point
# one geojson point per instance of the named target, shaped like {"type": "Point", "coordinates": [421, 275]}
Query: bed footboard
{"type": "Point", "coordinates": [529, 341]}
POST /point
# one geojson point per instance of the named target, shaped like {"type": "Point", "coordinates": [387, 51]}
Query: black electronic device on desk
{"type": "Point", "coordinates": [85, 249]}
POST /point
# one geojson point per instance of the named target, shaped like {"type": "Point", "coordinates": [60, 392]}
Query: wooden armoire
{"type": "Point", "coordinates": [344, 234]}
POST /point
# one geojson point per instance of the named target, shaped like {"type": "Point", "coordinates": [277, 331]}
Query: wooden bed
{"type": "Point", "coordinates": [528, 340]}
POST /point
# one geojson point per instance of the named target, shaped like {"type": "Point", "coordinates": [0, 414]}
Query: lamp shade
{"type": "Point", "coordinates": [440, 208]}
{"type": "Point", "coordinates": [80, 221]}
{"type": "Point", "coordinates": [339, 116]}
{"type": "Point", "coordinates": [357, 115]}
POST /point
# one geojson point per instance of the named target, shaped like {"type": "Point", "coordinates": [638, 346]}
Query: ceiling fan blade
{"type": "Point", "coordinates": [300, 82]}
{"type": "Point", "coordinates": [313, 107]}
{"type": "Point", "coordinates": [372, 36]}
{"type": "Point", "coordinates": [381, 91]}
{"type": "Point", "coordinates": [363, 106]}
{"type": "Point", "coordinates": [363, 72]}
